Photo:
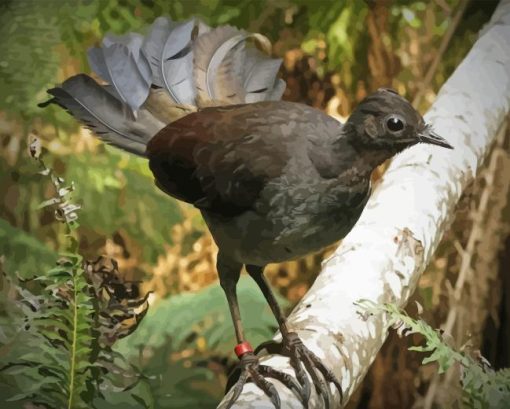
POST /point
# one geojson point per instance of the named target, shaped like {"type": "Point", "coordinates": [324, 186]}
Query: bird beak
{"type": "Point", "coordinates": [429, 136]}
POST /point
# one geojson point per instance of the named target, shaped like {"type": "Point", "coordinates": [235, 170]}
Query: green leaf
{"type": "Point", "coordinates": [23, 252]}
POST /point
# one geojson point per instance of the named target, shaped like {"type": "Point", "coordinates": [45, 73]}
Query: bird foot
{"type": "Point", "coordinates": [250, 370]}
{"type": "Point", "coordinates": [302, 358]}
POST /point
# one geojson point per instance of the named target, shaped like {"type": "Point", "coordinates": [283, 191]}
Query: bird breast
{"type": "Point", "coordinates": [296, 214]}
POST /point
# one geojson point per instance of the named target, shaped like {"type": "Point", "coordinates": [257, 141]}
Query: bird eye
{"type": "Point", "coordinates": [395, 124]}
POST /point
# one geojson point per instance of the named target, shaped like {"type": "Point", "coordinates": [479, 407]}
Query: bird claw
{"type": "Point", "coordinates": [250, 370]}
{"type": "Point", "coordinates": [300, 356]}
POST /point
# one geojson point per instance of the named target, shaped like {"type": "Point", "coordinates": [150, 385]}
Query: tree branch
{"type": "Point", "coordinates": [476, 293]}
{"type": "Point", "coordinates": [383, 256]}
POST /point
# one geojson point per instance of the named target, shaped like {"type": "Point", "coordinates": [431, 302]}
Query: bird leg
{"type": "Point", "coordinates": [248, 368]}
{"type": "Point", "coordinates": [292, 346]}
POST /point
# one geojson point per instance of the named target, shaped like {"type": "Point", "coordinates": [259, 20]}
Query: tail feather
{"type": "Point", "coordinates": [120, 63]}
{"type": "Point", "coordinates": [229, 72]}
{"type": "Point", "coordinates": [100, 111]}
{"type": "Point", "coordinates": [210, 51]}
{"type": "Point", "coordinates": [167, 47]}
{"type": "Point", "coordinates": [173, 71]}
{"type": "Point", "coordinates": [261, 76]}
{"type": "Point", "coordinates": [164, 109]}
{"type": "Point", "coordinates": [276, 93]}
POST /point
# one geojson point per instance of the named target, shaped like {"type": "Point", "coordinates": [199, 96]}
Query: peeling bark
{"type": "Point", "coordinates": [383, 256]}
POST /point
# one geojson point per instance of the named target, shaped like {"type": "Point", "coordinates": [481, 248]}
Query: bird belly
{"type": "Point", "coordinates": [280, 235]}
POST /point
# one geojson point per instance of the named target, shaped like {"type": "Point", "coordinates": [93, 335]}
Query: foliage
{"type": "Point", "coordinates": [127, 198]}
{"type": "Point", "coordinates": [185, 341]}
{"type": "Point", "coordinates": [326, 47]}
{"type": "Point", "coordinates": [26, 254]}
{"type": "Point", "coordinates": [59, 327]}
{"type": "Point", "coordinates": [483, 387]}
{"type": "Point", "coordinates": [202, 321]}
{"type": "Point", "coordinates": [51, 353]}
{"type": "Point", "coordinates": [331, 36]}
{"type": "Point", "coordinates": [22, 24]}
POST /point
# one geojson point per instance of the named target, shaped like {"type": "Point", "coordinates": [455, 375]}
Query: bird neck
{"type": "Point", "coordinates": [359, 165]}
{"type": "Point", "coordinates": [357, 161]}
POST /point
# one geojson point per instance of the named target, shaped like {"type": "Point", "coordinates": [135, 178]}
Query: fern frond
{"type": "Point", "coordinates": [67, 320]}
{"type": "Point", "coordinates": [482, 386]}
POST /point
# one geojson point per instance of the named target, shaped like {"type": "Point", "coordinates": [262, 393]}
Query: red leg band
{"type": "Point", "coordinates": [242, 348]}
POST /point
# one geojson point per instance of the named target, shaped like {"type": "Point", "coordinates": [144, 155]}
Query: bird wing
{"type": "Point", "coordinates": [220, 158]}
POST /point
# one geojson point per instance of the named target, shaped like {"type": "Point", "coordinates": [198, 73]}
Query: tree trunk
{"type": "Point", "coordinates": [383, 256]}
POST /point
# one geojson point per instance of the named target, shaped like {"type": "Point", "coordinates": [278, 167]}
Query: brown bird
{"type": "Point", "coordinates": [274, 180]}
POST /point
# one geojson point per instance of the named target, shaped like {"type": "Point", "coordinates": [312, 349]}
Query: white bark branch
{"type": "Point", "coordinates": [475, 296]}
{"type": "Point", "coordinates": [383, 256]}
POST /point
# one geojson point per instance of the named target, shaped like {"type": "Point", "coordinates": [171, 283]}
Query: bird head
{"type": "Point", "coordinates": [386, 121]}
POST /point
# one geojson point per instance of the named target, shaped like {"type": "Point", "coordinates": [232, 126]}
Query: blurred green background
{"type": "Point", "coordinates": [334, 52]}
